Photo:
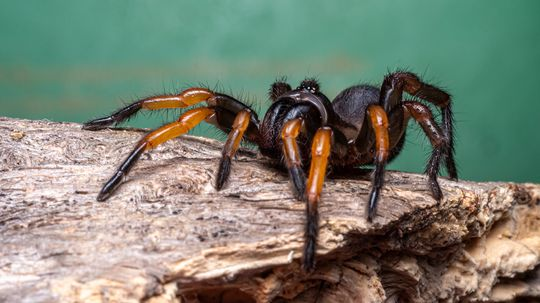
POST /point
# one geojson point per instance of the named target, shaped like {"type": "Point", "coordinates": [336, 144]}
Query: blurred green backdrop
{"type": "Point", "coordinates": [76, 60]}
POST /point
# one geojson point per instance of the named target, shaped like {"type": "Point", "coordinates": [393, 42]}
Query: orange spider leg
{"type": "Point", "coordinates": [379, 123]}
{"type": "Point", "coordinates": [190, 96]}
{"type": "Point", "coordinates": [290, 131]}
{"type": "Point", "coordinates": [186, 98]}
{"type": "Point", "coordinates": [186, 122]}
{"type": "Point", "coordinates": [240, 124]}
{"type": "Point", "coordinates": [320, 151]}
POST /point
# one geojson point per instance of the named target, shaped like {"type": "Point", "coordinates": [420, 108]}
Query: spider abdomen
{"type": "Point", "coordinates": [351, 104]}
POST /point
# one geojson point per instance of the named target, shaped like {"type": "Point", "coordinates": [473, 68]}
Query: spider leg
{"type": "Point", "coordinates": [391, 95]}
{"type": "Point", "coordinates": [379, 124]}
{"type": "Point", "coordinates": [227, 108]}
{"type": "Point", "coordinates": [300, 118]}
{"type": "Point", "coordinates": [320, 151]}
{"type": "Point", "coordinates": [424, 117]}
{"type": "Point", "coordinates": [186, 122]}
{"type": "Point", "coordinates": [240, 124]}
{"type": "Point", "coordinates": [290, 131]}
{"type": "Point", "coordinates": [186, 98]}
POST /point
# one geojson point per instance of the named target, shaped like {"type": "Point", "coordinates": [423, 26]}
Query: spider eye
{"type": "Point", "coordinates": [310, 89]}
{"type": "Point", "coordinates": [311, 85]}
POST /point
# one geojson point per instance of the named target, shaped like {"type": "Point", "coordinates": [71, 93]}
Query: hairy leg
{"type": "Point", "coordinates": [379, 123]}
{"type": "Point", "coordinates": [240, 124]}
{"type": "Point", "coordinates": [320, 151]}
{"type": "Point", "coordinates": [392, 90]}
{"type": "Point", "coordinates": [289, 133]}
{"type": "Point", "coordinates": [186, 98]}
{"type": "Point", "coordinates": [424, 117]}
{"type": "Point", "coordinates": [186, 122]}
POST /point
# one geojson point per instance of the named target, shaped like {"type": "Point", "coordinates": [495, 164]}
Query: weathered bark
{"type": "Point", "coordinates": [168, 236]}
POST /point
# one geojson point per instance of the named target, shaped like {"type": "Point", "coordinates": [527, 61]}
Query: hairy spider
{"type": "Point", "coordinates": [363, 125]}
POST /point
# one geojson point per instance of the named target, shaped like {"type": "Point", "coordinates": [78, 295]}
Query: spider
{"type": "Point", "coordinates": [363, 125]}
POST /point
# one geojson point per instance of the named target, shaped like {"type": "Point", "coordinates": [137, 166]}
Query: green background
{"type": "Point", "coordinates": [76, 60]}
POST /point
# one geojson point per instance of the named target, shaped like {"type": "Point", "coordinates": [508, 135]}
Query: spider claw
{"type": "Point", "coordinates": [223, 172]}
{"type": "Point", "coordinates": [110, 186]}
{"type": "Point", "coordinates": [308, 264]}
{"type": "Point", "coordinates": [102, 196]}
{"type": "Point", "coordinates": [435, 189]}
{"type": "Point", "coordinates": [372, 206]}
{"type": "Point", "coordinates": [98, 124]}
{"type": "Point", "coordinates": [371, 214]}
{"type": "Point", "coordinates": [311, 233]}
{"type": "Point", "coordinates": [299, 182]}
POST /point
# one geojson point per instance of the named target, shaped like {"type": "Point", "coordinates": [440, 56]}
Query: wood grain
{"type": "Point", "coordinates": [168, 236]}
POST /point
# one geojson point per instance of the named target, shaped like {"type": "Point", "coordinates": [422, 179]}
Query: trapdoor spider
{"type": "Point", "coordinates": [363, 125]}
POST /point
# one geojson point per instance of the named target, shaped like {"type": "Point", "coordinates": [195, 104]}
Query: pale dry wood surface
{"type": "Point", "coordinates": [168, 236]}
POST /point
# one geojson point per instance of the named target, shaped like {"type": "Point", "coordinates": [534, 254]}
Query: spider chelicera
{"type": "Point", "coordinates": [363, 125]}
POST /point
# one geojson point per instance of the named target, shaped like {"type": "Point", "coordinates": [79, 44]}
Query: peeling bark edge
{"type": "Point", "coordinates": [168, 236]}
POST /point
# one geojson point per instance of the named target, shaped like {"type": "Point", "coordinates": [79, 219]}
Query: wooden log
{"type": "Point", "coordinates": [168, 236]}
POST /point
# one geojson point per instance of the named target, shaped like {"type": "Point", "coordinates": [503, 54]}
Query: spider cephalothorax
{"type": "Point", "coordinates": [363, 125]}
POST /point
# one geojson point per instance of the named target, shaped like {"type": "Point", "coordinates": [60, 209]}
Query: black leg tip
{"type": "Point", "coordinates": [371, 212]}
{"type": "Point", "coordinates": [310, 237]}
{"type": "Point", "coordinates": [300, 196]}
{"type": "Point", "coordinates": [370, 216]}
{"type": "Point", "coordinates": [436, 191]}
{"type": "Point", "coordinates": [299, 182]}
{"type": "Point", "coordinates": [110, 186]}
{"type": "Point", "coordinates": [452, 173]}
{"type": "Point", "coordinates": [223, 172]}
{"type": "Point", "coordinates": [308, 264]}
{"type": "Point", "coordinates": [219, 182]}
{"type": "Point", "coordinates": [98, 124]}
{"type": "Point", "coordinates": [102, 196]}
{"type": "Point", "coordinates": [372, 206]}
